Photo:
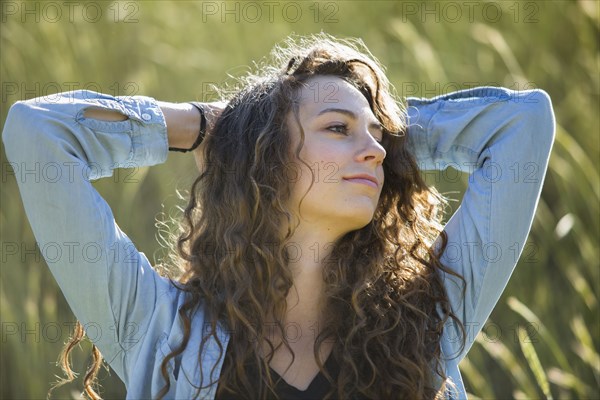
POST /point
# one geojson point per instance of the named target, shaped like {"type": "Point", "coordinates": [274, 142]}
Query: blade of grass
{"type": "Point", "coordinates": [505, 358]}
{"type": "Point", "coordinates": [530, 317]}
{"type": "Point", "coordinates": [534, 362]}
{"type": "Point", "coordinates": [585, 345]}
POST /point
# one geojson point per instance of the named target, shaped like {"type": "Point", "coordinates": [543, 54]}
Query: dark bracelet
{"type": "Point", "coordinates": [202, 132]}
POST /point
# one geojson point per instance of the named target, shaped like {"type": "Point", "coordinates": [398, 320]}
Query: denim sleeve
{"type": "Point", "coordinates": [503, 139]}
{"type": "Point", "coordinates": [55, 152]}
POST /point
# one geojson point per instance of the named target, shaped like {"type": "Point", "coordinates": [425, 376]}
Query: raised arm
{"type": "Point", "coordinates": [76, 137]}
{"type": "Point", "coordinates": [503, 139]}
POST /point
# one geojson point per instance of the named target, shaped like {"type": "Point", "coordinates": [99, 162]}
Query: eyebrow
{"type": "Point", "coordinates": [350, 114]}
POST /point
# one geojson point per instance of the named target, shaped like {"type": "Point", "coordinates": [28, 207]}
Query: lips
{"type": "Point", "coordinates": [364, 179]}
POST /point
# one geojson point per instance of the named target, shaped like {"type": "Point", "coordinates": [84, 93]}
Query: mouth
{"type": "Point", "coordinates": [363, 179]}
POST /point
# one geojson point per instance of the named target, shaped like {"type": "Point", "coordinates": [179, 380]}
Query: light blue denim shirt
{"type": "Point", "coordinates": [502, 138]}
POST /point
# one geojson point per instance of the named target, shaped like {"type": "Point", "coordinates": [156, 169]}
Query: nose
{"type": "Point", "coordinates": [371, 150]}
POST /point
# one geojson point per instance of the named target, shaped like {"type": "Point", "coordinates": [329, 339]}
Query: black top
{"type": "Point", "coordinates": [317, 389]}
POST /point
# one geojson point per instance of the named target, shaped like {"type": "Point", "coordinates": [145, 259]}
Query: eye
{"type": "Point", "coordinates": [379, 136]}
{"type": "Point", "coordinates": [339, 128]}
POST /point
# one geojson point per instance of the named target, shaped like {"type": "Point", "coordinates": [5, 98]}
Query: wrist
{"type": "Point", "coordinates": [183, 124]}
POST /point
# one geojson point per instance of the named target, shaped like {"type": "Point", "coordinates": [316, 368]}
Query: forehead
{"type": "Point", "coordinates": [330, 91]}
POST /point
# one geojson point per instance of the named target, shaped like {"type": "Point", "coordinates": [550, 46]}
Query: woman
{"type": "Point", "coordinates": [313, 260]}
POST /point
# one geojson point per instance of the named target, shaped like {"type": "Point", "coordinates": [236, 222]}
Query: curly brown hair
{"type": "Point", "coordinates": [386, 304]}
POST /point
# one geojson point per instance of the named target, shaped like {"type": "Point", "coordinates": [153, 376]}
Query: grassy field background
{"type": "Point", "coordinates": [541, 340]}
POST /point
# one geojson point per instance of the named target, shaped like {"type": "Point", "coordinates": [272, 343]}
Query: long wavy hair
{"type": "Point", "coordinates": [386, 305]}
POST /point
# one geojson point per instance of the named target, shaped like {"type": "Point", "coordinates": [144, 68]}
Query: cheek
{"type": "Point", "coordinates": [326, 166]}
{"type": "Point", "coordinates": [323, 152]}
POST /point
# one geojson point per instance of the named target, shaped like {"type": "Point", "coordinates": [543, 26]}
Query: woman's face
{"type": "Point", "coordinates": [342, 147]}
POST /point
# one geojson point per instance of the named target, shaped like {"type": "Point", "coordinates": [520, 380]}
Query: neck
{"type": "Point", "coordinates": [308, 248]}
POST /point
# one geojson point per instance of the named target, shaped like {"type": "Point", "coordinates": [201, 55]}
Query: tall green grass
{"type": "Point", "coordinates": [542, 339]}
